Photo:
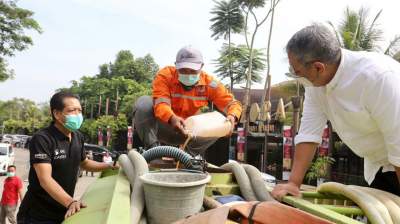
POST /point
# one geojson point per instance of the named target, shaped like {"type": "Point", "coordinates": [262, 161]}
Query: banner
{"type": "Point", "coordinates": [100, 136]}
{"type": "Point", "coordinates": [241, 140]}
{"type": "Point", "coordinates": [287, 152]}
{"type": "Point", "coordinates": [130, 138]}
{"type": "Point", "coordinates": [323, 148]}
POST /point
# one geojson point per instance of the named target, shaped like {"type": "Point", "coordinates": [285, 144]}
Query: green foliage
{"type": "Point", "coordinates": [227, 19]}
{"type": "Point", "coordinates": [239, 57]}
{"type": "Point", "coordinates": [358, 32]}
{"type": "Point", "coordinates": [141, 70]}
{"type": "Point", "coordinates": [90, 88]}
{"type": "Point", "coordinates": [122, 82]}
{"type": "Point", "coordinates": [128, 103]}
{"type": "Point", "coordinates": [90, 126]}
{"type": "Point", "coordinates": [319, 168]}
{"type": "Point", "coordinates": [23, 116]}
{"type": "Point", "coordinates": [252, 3]}
{"type": "Point", "coordinates": [13, 23]}
{"type": "Point", "coordinates": [397, 56]}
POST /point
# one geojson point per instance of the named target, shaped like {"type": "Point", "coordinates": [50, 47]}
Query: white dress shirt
{"type": "Point", "coordinates": [362, 102]}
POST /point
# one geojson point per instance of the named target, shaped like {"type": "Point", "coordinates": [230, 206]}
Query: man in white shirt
{"type": "Point", "coordinates": [359, 93]}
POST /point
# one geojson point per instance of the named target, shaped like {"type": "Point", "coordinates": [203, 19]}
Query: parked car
{"type": "Point", "coordinates": [16, 140]}
{"type": "Point", "coordinates": [6, 157]}
{"type": "Point", "coordinates": [7, 138]}
{"type": "Point", "coordinates": [99, 151]}
{"type": "Point", "coordinates": [22, 139]}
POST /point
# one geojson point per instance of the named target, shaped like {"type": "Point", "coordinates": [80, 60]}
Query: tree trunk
{"type": "Point", "coordinates": [266, 97]}
{"type": "Point", "coordinates": [99, 111]}
{"type": "Point", "coordinates": [230, 58]}
{"type": "Point", "coordinates": [107, 104]}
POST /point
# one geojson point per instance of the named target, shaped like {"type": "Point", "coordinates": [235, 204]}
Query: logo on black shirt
{"type": "Point", "coordinates": [40, 156]}
{"type": "Point", "coordinates": [59, 154]}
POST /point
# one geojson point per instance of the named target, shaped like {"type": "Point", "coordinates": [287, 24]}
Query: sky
{"type": "Point", "coordinates": [80, 35]}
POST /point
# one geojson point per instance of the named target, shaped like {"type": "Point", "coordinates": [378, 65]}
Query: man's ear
{"type": "Point", "coordinates": [57, 114]}
{"type": "Point", "coordinates": [321, 67]}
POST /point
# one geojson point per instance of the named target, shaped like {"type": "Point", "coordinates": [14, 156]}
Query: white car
{"type": "Point", "coordinates": [6, 157]}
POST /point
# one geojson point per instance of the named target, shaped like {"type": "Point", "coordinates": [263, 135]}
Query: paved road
{"type": "Point", "coordinates": [22, 164]}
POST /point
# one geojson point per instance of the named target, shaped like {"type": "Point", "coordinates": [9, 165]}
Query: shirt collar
{"type": "Point", "coordinates": [331, 86]}
{"type": "Point", "coordinates": [57, 133]}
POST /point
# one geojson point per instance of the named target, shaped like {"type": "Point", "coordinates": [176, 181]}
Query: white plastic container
{"type": "Point", "coordinates": [208, 125]}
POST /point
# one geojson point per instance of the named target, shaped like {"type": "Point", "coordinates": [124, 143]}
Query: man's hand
{"type": "Point", "coordinates": [178, 124]}
{"type": "Point", "coordinates": [282, 190]}
{"type": "Point", "coordinates": [74, 207]}
{"type": "Point", "coordinates": [231, 119]}
{"type": "Point", "coordinates": [114, 165]}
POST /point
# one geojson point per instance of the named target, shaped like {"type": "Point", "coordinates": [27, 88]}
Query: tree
{"type": "Point", "coordinates": [357, 33]}
{"type": "Point", "coordinates": [125, 65]}
{"type": "Point", "coordinates": [121, 92]}
{"type": "Point", "coordinates": [227, 19]}
{"type": "Point", "coordinates": [13, 22]}
{"type": "Point", "coordinates": [23, 116]}
{"type": "Point", "coordinates": [90, 126]}
{"type": "Point", "coordinates": [249, 7]}
{"type": "Point", "coordinates": [236, 60]}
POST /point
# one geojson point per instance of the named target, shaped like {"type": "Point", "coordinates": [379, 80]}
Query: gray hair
{"type": "Point", "coordinates": [314, 43]}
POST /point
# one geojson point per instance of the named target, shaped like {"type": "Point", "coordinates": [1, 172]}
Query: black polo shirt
{"type": "Point", "coordinates": [51, 146]}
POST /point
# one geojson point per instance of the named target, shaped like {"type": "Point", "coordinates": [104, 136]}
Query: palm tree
{"type": "Point", "coordinates": [394, 48]}
{"type": "Point", "coordinates": [227, 19]}
{"type": "Point", "coordinates": [236, 59]}
{"type": "Point", "coordinates": [357, 33]}
{"type": "Point", "coordinates": [249, 7]}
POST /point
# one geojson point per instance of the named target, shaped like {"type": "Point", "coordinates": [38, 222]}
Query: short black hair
{"type": "Point", "coordinates": [57, 101]}
{"type": "Point", "coordinates": [8, 167]}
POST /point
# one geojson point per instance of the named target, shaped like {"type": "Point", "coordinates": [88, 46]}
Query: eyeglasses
{"type": "Point", "coordinates": [292, 73]}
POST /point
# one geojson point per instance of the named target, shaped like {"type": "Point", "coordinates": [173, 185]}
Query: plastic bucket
{"type": "Point", "coordinates": [171, 196]}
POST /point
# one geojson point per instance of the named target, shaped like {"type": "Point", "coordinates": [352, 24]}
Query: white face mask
{"type": "Point", "coordinates": [188, 80]}
{"type": "Point", "coordinates": [305, 82]}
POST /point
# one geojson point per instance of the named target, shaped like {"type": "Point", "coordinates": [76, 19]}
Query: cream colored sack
{"type": "Point", "coordinates": [212, 124]}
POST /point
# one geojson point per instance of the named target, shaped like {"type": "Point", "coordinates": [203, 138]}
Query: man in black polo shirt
{"type": "Point", "coordinates": [56, 153]}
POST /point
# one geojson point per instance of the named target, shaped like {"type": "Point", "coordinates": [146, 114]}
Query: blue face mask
{"type": "Point", "coordinates": [188, 80]}
{"type": "Point", "coordinates": [73, 121]}
{"type": "Point", "coordinates": [10, 174]}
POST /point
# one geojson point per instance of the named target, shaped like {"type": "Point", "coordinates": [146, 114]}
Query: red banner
{"type": "Point", "coordinates": [323, 149]}
{"type": "Point", "coordinates": [240, 145]}
{"type": "Point", "coordinates": [287, 152]}
{"type": "Point", "coordinates": [100, 136]}
{"type": "Point", "coordinates": [130, 138]}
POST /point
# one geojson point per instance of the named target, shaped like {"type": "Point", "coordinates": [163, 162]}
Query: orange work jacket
{"type": "Point", "coordinates": [169, 96]}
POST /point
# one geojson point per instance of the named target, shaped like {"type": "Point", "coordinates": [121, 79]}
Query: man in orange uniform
{"type": "Point", "coordinates": [181, 91]}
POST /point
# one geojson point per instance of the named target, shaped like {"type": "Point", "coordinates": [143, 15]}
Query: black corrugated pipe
{"type": "Point", "coordinates": [169, 151]}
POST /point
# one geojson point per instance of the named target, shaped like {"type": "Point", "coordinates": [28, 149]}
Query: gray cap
{"type": "Point", "coordinates": [189, 57]}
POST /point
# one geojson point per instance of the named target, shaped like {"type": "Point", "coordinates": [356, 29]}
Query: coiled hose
{"type": "Point", "coordinates": [250, 181]}
{"type": "Point", "coordinates": [242, 179]}
{"type": "Point", "coordinates": [134, 165]}
{"type": "Point", "coordinates": [169, 151]}
{"type": "Point", "coordinates": [257, 183]}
